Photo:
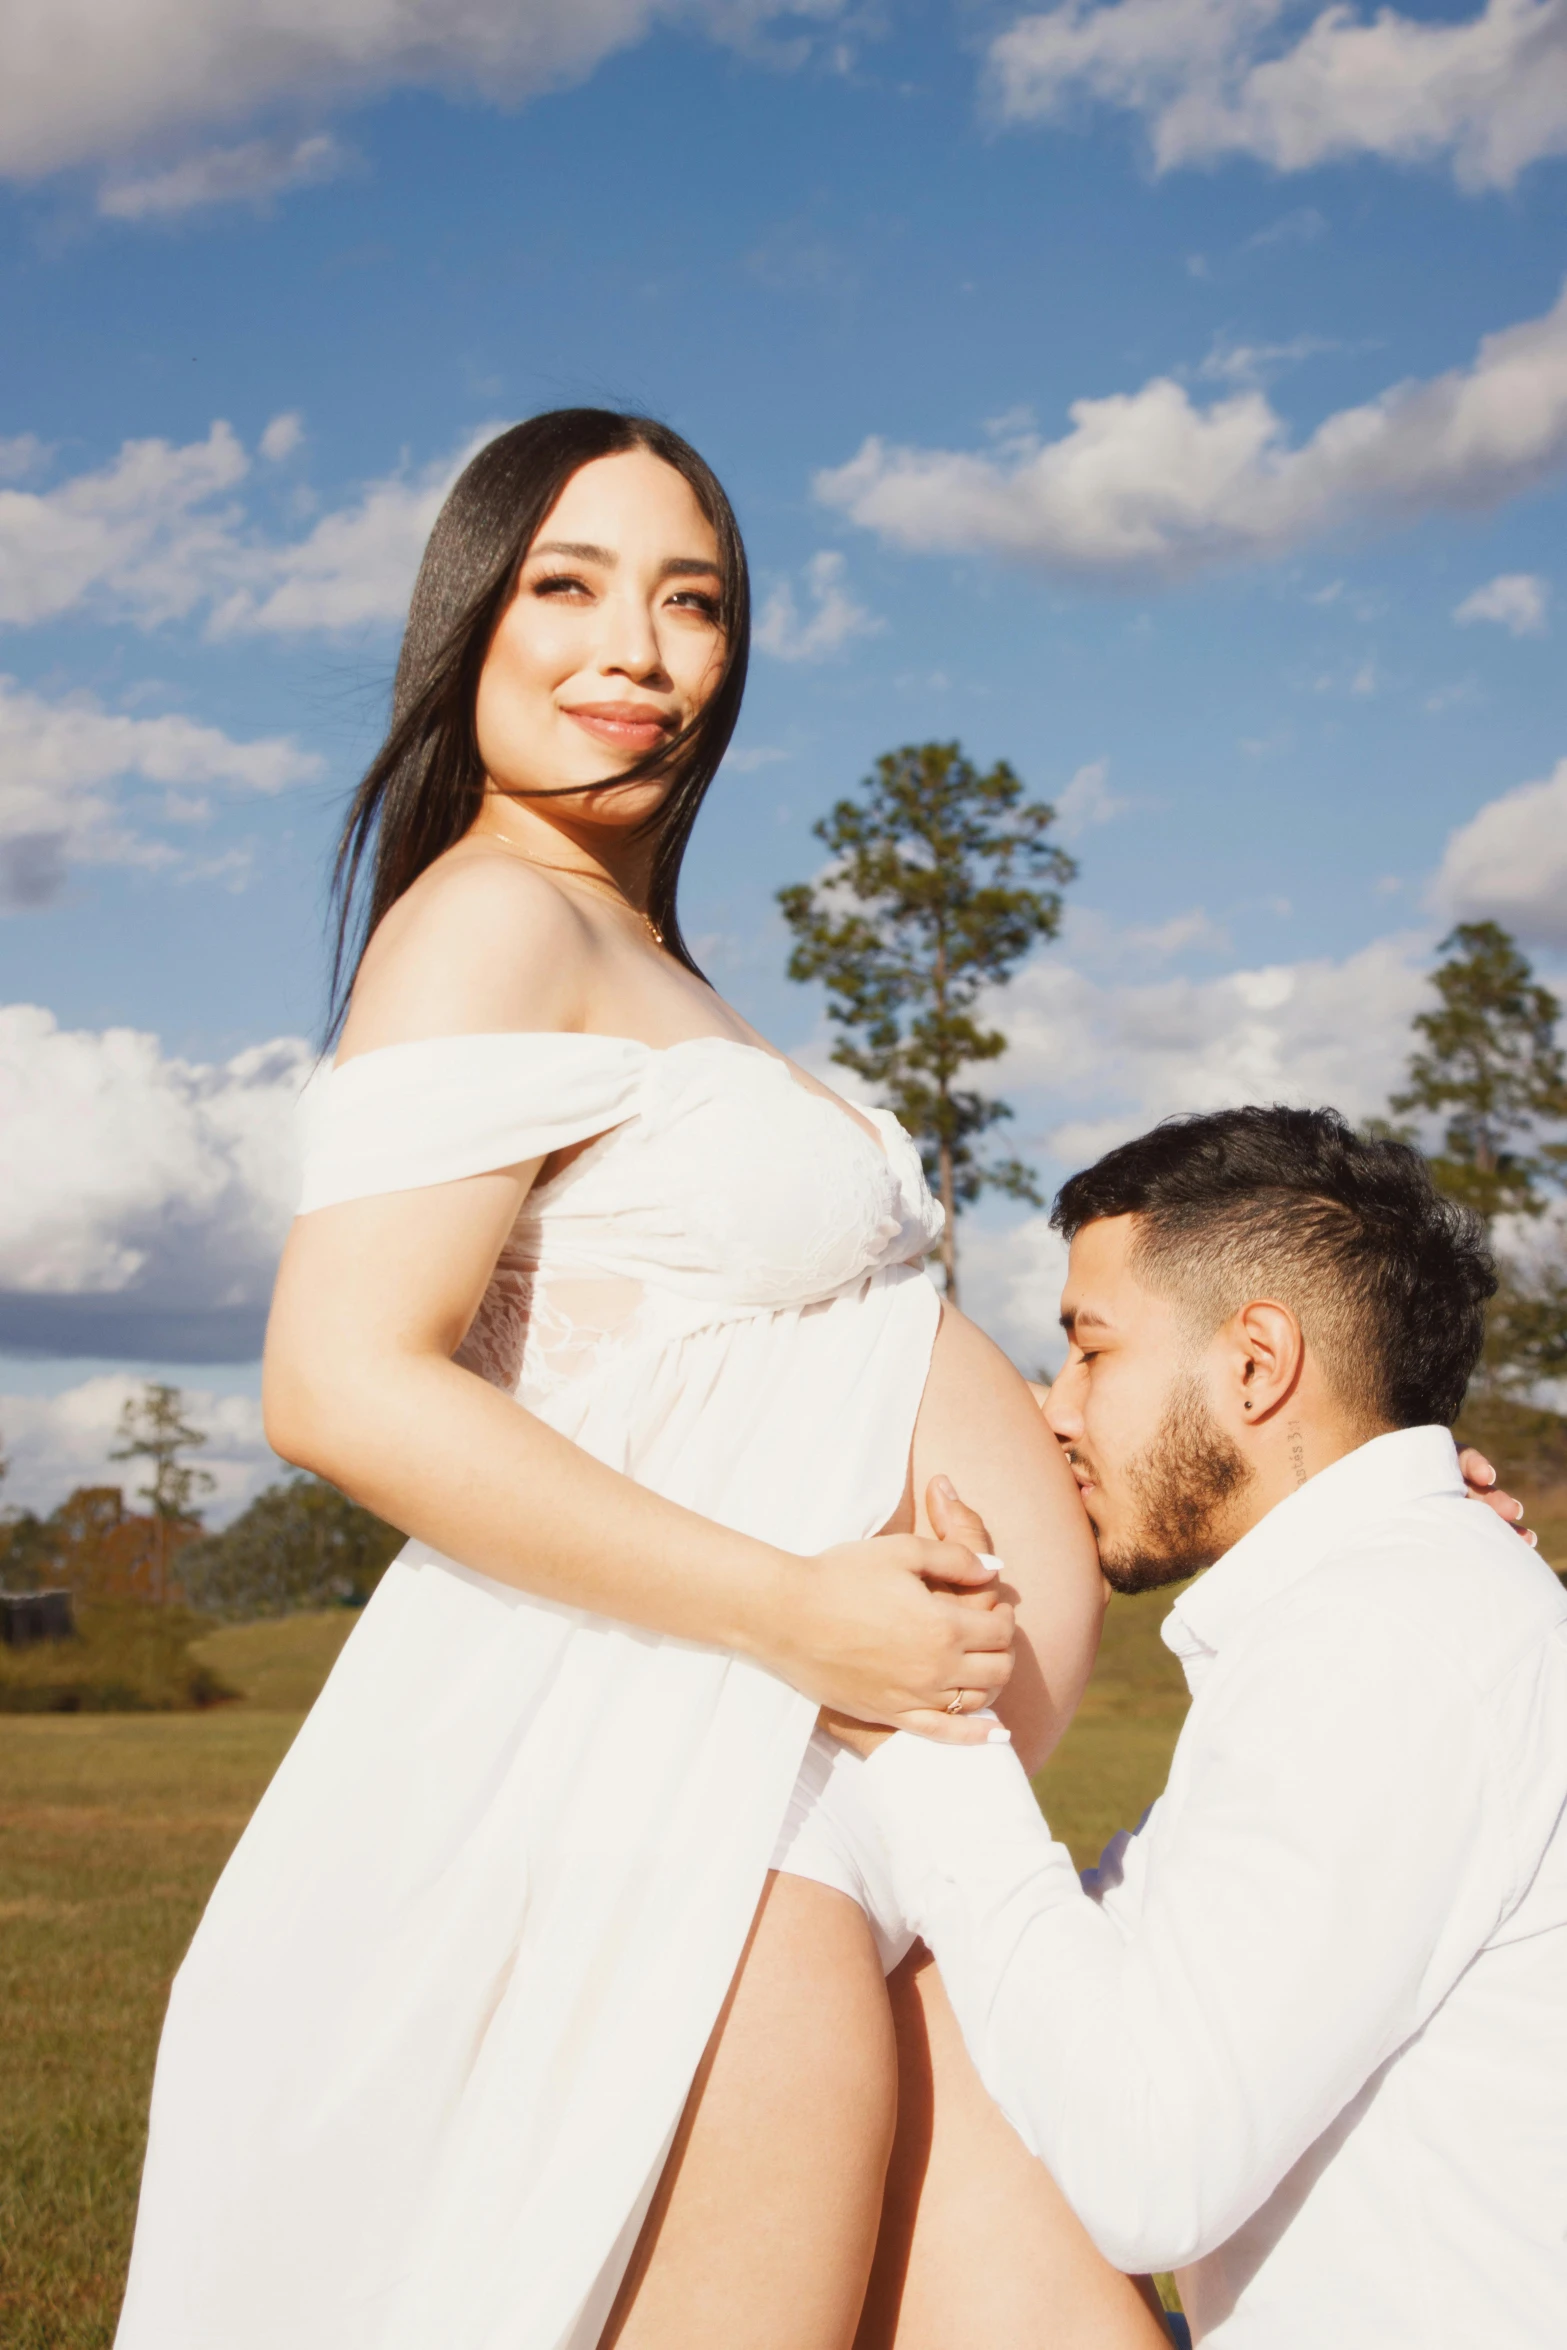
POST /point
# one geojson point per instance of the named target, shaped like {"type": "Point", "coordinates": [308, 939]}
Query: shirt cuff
{"type": "Point", "coordinates": [960, 1817]}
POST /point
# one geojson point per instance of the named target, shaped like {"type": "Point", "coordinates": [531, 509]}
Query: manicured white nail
{"type": "Point", "coordinates": [998, 1736]}
{"type": "Point", "coordinates": [988, 1558]}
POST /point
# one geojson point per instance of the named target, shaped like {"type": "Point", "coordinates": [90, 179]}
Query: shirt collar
{"type": "Point", "coordinates": [1374, 1481]}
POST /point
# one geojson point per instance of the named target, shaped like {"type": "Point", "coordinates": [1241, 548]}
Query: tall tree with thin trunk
{"type": "Point", "coordinates": [940, 881]}
{"type": "Point", "coordinates": [153, 1428]}
{"type": "Point", "coordinates": [1491, 1066]}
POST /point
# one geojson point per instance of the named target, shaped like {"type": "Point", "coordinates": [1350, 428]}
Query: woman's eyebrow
{"type": "Point", "coordinates": [577, 551]}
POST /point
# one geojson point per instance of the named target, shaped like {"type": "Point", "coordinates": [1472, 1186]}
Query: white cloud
{"type": "Point", "coordinates": [1088, 800]}
{"type": "Point", "coordinates": [143, 1198]}
{"type": "Point", "coordinates": [81, 82]}
{"type": "Point", "coordinates": [282, 437]}
{"type": "Point", "coordinates": [23, 453]}
{"type": "Point", "coordinates": [1148, 486]}
{"type": "Point", "coordinates": [1303, 226]}
{"type": "Point", "coordinates": [354, 568]}
{"type": "Point", "coordinates": [60, 762]}
{"type": "Point", "coordinates": [1508, 864]}
{"type": "Point", "coordinates": [1096, 1058]}
{"type": "Point", "coordinates": [1101, 1058]}
{"type": "Point", "coordinates": [253, 173]}
{"type": "Point", "coordinates": [1251, 363]}
{"type": "Point", "coordinates": [1516, 600]}
{"type": "Point", "coordinates": [1487, 95]}
{"type": "Point", "coordinates": [140, 534]}
{"type": "Point", "coordinates": [833, 622]}
{"type": "Point", "coordinates": [161, 532]}
{"type": "Point", "coordinates": [57, 1442]}
{"type": "Point", "coordinates": [1177, 935]}
{"type": "Point", "coordinates": [1010, 1282]}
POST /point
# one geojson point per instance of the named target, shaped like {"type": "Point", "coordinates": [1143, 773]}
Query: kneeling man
{"type": "Point", "coordinates": [1303, 2038]}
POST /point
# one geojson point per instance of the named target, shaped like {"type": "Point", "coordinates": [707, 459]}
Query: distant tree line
{"type": "Point", "coordinates": [299, 1544]}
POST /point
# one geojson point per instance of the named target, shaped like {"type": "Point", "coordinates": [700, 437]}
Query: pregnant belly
{"type": "Point", "coordinates": [978, 1423]}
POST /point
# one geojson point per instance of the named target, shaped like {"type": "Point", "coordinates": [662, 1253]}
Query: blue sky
{"type": "Point", "coordinates": [1135, 392]}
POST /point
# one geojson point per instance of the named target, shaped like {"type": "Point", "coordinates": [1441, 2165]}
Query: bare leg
{"type": "Point", "coordinates": [765, 2225]}
{"type": "Point", "coordinates": [763, 2228]}
{"type": "Point", "coordinates": [979, 2250]}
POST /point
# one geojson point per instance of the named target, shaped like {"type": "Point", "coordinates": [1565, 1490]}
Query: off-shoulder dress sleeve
{"type": "Point", "coordinates": [411, 1115]}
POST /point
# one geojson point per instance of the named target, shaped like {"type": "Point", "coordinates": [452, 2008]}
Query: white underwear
{"type": "Point", "coordinates": [829, 1836]}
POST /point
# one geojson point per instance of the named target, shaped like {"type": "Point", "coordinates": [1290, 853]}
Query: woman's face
{"type": "Point", "coordinates": [612, 642]}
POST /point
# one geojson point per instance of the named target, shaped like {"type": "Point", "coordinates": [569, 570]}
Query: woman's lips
{"type": "Point", "coordinates": [628, 726]}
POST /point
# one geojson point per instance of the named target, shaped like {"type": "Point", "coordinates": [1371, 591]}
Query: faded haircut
{"type": "Point", "coordinates": [1387, 1277]}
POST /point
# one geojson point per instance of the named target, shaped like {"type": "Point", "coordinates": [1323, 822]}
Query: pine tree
{"type": "Point", "coordinates": [941, 880]}
{"type": "Point", "coordinates": [153, 1428]}
{"type": "Point", "coordinates": [1492, 1064]}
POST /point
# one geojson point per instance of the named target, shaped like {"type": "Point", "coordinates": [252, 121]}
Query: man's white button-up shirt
{"type": "Point", "coordinates": [1304, 2038]}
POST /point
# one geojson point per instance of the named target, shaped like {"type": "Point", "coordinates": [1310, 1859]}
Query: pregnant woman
{"type": "Point", "coordinates": [543, 2003]}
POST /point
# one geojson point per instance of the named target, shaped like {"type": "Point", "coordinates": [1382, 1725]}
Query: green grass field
{"type": "Point", "coordinates": [113, 1827]}
{"type": "Point", "coordinates": [112, 1830]}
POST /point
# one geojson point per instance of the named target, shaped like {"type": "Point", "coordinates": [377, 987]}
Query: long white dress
{"type": "Point", "coordinates": [425, 2056]}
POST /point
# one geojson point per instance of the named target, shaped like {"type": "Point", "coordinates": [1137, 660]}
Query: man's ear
{"type": "Point", "coordinates": [1263, 1356]}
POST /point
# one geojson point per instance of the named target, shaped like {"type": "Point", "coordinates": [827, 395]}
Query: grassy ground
{"type": "Point", "coordinates": [113, 1826]}
{"type": "Point", "coordinates": [1113, 1760]}
{"type": "Point", "coordinates": [279, 1666]}
{"type": "Point", "coordinates": [126, 1657]}
{"type": "Point", "coordinates": [112, 1830]}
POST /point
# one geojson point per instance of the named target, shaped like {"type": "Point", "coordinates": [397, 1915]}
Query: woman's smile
{"type": "Point", "coordinates": [627, 726]}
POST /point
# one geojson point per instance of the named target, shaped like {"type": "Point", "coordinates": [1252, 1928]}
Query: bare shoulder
{"type": "Point", "coordinates": [482, 941]}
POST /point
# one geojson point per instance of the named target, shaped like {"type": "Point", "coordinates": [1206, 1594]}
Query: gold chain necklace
{"type": "Point", "coordinates": [598, 881]}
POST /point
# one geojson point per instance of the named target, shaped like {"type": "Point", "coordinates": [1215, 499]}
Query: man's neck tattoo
{"type": "Point", "coordinates": [1297, 1445]}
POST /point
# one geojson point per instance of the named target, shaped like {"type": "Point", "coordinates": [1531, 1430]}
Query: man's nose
{"type": "Point", "coordinates": [1063, 1405]}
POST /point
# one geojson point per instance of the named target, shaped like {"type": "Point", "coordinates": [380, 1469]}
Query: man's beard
{"type": "Point", "coordinates": [1181, 1489]}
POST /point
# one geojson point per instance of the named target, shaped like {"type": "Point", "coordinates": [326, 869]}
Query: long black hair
{"type": "Point", "coordinates": [424, 787]}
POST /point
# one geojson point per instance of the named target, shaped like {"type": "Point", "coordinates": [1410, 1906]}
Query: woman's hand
{"type": "Point", "coordinates": [1480, 1478]}
{"type": "Point", "coordinates": [960, 1532]}
{"type": "Point", "coordinates": [891, 1629]}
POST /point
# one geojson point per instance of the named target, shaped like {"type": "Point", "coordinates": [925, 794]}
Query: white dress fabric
{"type": "Point", "coordinates": [425, 2056]}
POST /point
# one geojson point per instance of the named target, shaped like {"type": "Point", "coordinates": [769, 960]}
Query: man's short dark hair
{"type": "Point", "coordinates": [1388, 1278]}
